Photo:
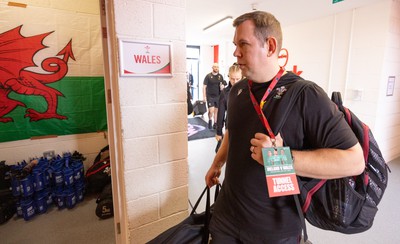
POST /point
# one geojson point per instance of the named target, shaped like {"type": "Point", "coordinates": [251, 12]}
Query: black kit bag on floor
{"type": "Point", "coordinates": [5, 179]}
{"type": "Point", "coordinates": [347, 205]}
{"type": "Point", "coordinates": [105, 207]}
{"type": "Point", "coordinates": [99, 174]}
{"type": "Point", "coordinates": [194, 229]}
{"type": "Point", "coordinates": [199, 108]}
{"type": "Point", "coordinates": [8, 206]}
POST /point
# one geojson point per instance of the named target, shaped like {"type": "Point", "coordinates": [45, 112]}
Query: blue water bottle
{"type": "Point", "coordinates": [38, 178]}
{"type": "Point", "coordinates": [79, 191]}
{"type": "Point", "coordinates": [40, 202]}
{"type": "Point", "coordinates": [68, 175]}
{"type": "Point", "coordinates": [28, 209]}
{"type": "Point", "coordinates": [60, 198]}
{"type": "Point", "coordinates": [77, 166]}
{"type": "Point", "coordinates": [26, 186]}
{"type": "Point", "coordinates": [70, 197]}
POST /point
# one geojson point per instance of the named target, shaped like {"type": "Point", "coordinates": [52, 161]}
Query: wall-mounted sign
{"type": "Point", "coordinates": [140, 58]}
{"type": "Point", "coordinates": [336, 1]}
{"type": "Point", "coordinates": [390, 86]}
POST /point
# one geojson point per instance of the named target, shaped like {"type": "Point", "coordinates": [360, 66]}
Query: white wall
{"type": "Point", "coordinates": [205, 64]}
{"type": "Point", "coordinates": [88, 144]}
{"type": "Point", "coordinates": [387, 126]}
{"type": "Point", "coordinates": [350, 51]}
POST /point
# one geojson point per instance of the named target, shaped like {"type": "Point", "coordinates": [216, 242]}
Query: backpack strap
{"type": "Point", "coordinates": [302, 219]}
{"type": "Point", "coordinates": [337, 99]}
{"type": "Point", "coordinates": [293, 94]}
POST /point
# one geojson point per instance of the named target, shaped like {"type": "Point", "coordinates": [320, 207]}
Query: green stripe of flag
{"type": "Point", "coordinates": [83, 103]}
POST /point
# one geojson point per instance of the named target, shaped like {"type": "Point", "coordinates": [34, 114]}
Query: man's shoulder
{"type": "Point", "coordinates": [239, 87]}
{"type": "Point", "coordinates": [291, 79]}
{"type": "Point", "coordinates": [240, 84]}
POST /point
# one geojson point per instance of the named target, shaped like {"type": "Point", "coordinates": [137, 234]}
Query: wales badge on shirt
{"type": "Point", "coordinates": [279, 172]}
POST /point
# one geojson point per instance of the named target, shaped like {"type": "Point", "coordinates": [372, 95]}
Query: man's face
{"type": "Point", "coordinates": [250, 54]}
{"type": "Point", "coordinates": [215, 68]}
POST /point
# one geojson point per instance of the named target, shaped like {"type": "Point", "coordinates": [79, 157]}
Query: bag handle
{"type": "Point", "coordinates": [198, 200]}
{"type": "Point", "coordinates": [207, 218]}
{"type": "Point", "coordinates": [206, 189]}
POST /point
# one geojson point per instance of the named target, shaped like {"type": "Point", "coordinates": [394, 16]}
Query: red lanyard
{"type": "Point", "coordinates": [259, 107]}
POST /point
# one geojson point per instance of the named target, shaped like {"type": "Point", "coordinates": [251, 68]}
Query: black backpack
{"type": "Point", "coordinates": [347, 205]}
{"type": "Point", "coordinates": [99, 174]}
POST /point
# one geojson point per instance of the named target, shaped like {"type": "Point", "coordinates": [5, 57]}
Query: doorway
{"type": "Point", "coordinates": [192, 69]}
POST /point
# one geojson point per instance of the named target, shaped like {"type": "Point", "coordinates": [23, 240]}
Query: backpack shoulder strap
{"type": "Point", "coordinates": [337, 98]}
{"type": "Point", "coordinates": [292, 95]}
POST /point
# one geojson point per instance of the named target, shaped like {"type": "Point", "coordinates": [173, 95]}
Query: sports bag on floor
{"type": "Point", "coordinates": [347, 205]}
{"type": "Point", "coordinates": [105, 206]}
{"type": "Point", "coordinates": [199, 108]}
{"type": "Point", "coordinates": [193, 229]}
{"type": "Point", "coordinates": [99, 174]}
{"type": "Point", "coordinates": [8, 206]}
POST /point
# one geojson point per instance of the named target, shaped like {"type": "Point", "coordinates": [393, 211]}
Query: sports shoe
{"type": "Point", "coordinates": [210, 124]}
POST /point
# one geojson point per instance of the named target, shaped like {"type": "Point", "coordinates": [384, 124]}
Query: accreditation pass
{"type": "Point", "coordinates": [279, 172]}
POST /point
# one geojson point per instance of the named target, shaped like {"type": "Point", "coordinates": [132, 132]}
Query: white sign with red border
{"type": "Point", "coordinates": [142, 58]}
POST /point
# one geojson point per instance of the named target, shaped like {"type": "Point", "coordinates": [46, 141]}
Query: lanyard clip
{"type": "Point", "coordinates": [273, 143]}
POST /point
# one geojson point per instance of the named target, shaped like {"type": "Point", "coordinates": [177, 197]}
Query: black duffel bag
{"type": "Point", "coordinates": [194, 229]}
{"type": "Point", "coordinates": [105, 206]}
{"type": "Point", "coordinates": [8, 206]}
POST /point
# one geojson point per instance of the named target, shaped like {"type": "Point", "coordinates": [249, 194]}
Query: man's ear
{"type": "Point", "coordinates": [272, 45]}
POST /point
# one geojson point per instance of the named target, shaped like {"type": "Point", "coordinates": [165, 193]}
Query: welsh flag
{"type": "Point", "coordinates": [51, 77]}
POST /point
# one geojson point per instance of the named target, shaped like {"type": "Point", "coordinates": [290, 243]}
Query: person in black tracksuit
{"type": "Point", "coordinates": [212, 86]}
{"type": "Point", "coordinates": [235, 75]}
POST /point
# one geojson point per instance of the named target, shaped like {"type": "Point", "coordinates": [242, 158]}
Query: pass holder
{"type": "Point", "coordinates": [278, 161]}
{"type": "Point", "coordinates": [279, 171]}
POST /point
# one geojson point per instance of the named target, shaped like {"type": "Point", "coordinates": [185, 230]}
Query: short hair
{"type": "Point", "coordinates": [234, 68]}
{"type": "Point", "coordinates": [266, 25]}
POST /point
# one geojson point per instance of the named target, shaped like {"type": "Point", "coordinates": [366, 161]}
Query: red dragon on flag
{"type": "Point", "coordinates": [16, 55]}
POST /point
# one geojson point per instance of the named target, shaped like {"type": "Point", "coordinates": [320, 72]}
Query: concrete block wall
{"type": "Point", "coordinates": [154, 122]}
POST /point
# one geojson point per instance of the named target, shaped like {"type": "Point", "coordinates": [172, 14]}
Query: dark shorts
{"type": "Point", "coordinates": [212, 102]}
{"type": "Point", "coordinates": [224, 232]}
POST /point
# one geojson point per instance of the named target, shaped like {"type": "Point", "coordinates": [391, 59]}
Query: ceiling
{"type": "Point", "coordinates": [202, 13]}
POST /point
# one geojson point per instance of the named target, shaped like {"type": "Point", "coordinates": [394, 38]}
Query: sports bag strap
{"type": "Point", "coordinates": [207, 218]}
{"type": "Point", "coordinates": [217, 189]}
{"type": "Point", "coordinates": [206, 231]}
{"type": "Point", "coordinates": [301, 215]}
{"type": "Point", "coordinates": [198, 200]}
